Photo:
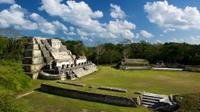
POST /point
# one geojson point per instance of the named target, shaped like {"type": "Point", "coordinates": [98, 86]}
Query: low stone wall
{"type": "Point", "coordinates": [70, 83]}
{"type": "Point", "coordinates": [135, 67]}
{"type": "Point", "coordinates": [167, 69]}
{"type": "Point", "coordinates": [116, 100]}
{"type": "Point", "coordinates": [192, 68]}
{"type": "Point", "coordinates": [113, 89]}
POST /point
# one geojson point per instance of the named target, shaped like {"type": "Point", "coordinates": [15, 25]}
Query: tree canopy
{"type": "Point", "coordinates": [108, 53]}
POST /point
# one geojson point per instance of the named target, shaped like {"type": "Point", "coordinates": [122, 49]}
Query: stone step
{"type": "Point", "coordinates": [149, 100]}
{"type": "Point", "coordinates": [149, 104]}
{"type": "Point", "coordinates": [151, 97]}
{"type": "Point", "coordinates": [152, 100]}
{"type": "Point", "coordinates": [47, 57]}
{"type": "Point", "coordinates": [145, 105]}
{"type": "Point", "coordinates": [45, 42]}
{"type": "Point", "coordinates": [32, 53]}
{"type": "Point", "coordinates": [31, 60]}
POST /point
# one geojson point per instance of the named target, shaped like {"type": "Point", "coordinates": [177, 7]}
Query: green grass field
{"type": "Point", "coordinates": [163, 82]}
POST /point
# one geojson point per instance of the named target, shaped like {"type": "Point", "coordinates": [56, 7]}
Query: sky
{"type": "Point", "coordinates": [103, 21]}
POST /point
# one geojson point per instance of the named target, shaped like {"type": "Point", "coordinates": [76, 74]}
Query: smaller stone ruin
{"type": "Point", "coordinates": [134, 64]}
{"type": "Point", "coordinates": [50, 59]}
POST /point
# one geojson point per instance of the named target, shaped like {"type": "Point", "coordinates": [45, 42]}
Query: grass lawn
{"type": "Point", "coordinates": [163, 82]}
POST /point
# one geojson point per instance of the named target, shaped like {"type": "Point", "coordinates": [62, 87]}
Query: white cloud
{"type": "Point", "coordinates": [59, 25]}
{"type": "Point", "coordinates": [159, 42]}
{"type": "Point", "coordinates": [19, 18]}
{"type": "Point", "coordinates": [71, 28]}
{"type": "Point", "coordinates": [117, 12]}
{"type": "Point", "coordinates": [169, 30]}
{"type": "Point", "coordinates": [137, 35]}
{"type": "Point", "coordinates": [70, 33]}
{"type": "Point", "coordinates": [97, 14]}
{"type": "Point", "coordinates": [121, 28]}
{"type": "Point", "coordinates": [15, 16]}
{"type": "Point", "coordinates": [146, 34]}
{"type": "Point", "coordinates": [7, 1]}
{"type": "Point", "coordinates": [170, 16]}
{"type": "Point", "coordinates": [86, 22]}
{"type": "Point", "coordinates": [190, 40]}
{"type": "Point", "coordinates": [47, 27]}
{"type": "Point", "coordinates": [195, 39]}
{"type": "Point", "coordinates": [87, 39]}
{"type": "Point", "coordinates": [77, 13]}
{"type": "Point", "coordinates": [161, 35]}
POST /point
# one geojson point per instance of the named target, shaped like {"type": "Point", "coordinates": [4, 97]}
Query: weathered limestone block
{"type": "Point", "coordinates": [33, 53]}
{"type": "Point", "coordinates": [135, 67]}
{"type": "Point", "coordinates": [70, 83]}
{"type": "Point", "coordinates": [36, 60]}
{"type": "Point", "coordinates": [113, 89]}
{"type": "Point", "coordinates": [33, 75]}
{"type": "Point", "coordinates": [33, 46]}
{"type": "Point", "coordinates": [55, 43]}
{"type": "Point", "coordinates": [33, 68]}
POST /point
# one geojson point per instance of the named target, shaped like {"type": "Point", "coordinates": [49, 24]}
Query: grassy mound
{"type": "Point", "coordinates": [12, 76]}
{"type": "Point", "coordinates": [12, 80]}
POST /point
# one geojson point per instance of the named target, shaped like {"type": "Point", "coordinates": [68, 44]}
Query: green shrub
{"type": "Point", "coordinates": [189, 102]}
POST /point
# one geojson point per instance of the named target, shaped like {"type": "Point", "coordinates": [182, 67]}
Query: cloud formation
{"type": "Point", "coordinates": [86, 20]}
{"type": "Point", "coordinates": [146, 34]}
{"type": "Point", "coordinates": [7, 1]}
{"type": "Point", "coordinates": [47, 27]}
{"type": "Point", "coordinates": [19, 18]}
{"type": "Point", "coordinates": [77, 13]}
{"type": "Point", "coordinates": [169, 30]}
{"type": "Point", "coordinates": [117, 12]}
{"type": "Point", "coordinates": [190, 40]}
{"type": "Point", "coordinates": [121, 28]}
{"type": "Point", "coordinates": [169, 16]}
{"type": "Point", "coordinates": [15, 16]}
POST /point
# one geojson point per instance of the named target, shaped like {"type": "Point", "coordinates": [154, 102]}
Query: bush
{"type": "Point", "coordinates": [189, 102]}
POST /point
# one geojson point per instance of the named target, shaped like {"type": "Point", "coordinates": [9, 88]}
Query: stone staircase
{"type": "Point", "coordinates": [45, 52]}
{"type": "Point", "coordinates": [150, 100]}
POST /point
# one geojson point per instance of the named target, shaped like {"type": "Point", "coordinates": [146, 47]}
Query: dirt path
{"type": "Point", "coordinates": [25, 94]}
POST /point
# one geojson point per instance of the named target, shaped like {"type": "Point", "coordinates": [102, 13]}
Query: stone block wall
{"type": "Point", "coordinates": [33, 59]}
{"type": "Point", "coordinates": [109, 99]}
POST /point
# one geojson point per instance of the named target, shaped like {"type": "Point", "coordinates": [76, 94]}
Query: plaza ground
{"type": "Point", "coordinates": [161, 82]}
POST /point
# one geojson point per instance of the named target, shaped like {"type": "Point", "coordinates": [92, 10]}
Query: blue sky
{"type": "Point", "coordinates": [99, 21]}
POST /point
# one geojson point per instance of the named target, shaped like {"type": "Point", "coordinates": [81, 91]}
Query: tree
{"type": "Point", "coordinates": [76, 47]}
{"type": "Point", "coordinates": [99, 51]}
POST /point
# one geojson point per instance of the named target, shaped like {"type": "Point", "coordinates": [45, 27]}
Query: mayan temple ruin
{"type": "Point", "coordinates": [50, 59]}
